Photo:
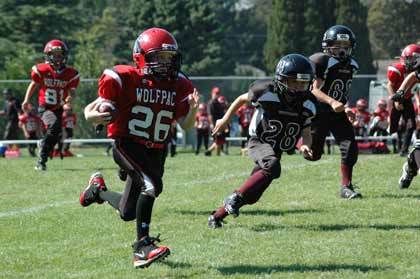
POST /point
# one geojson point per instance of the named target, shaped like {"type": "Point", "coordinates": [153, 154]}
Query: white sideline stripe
{"type": "Point", "coordinates": [34, 209]}
{"type": "Point", "coordinates": [228, 139]}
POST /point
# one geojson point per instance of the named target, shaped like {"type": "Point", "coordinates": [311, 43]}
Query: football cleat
{"type": "Point", "coordinates": [232, 204]}
{"type": "Point", "coordinates": [91, 193]}
{"type": "Point", "coordinates": [122, 174]}
{"type": "Point", "coordinates": [406, 177]}
{"type": "Point", "coordinates": [40, 166]}
{"type": "Point", "coordinates": [146, 252]}
{"type": "Point", "coordinates": [348, 192]}
{"type": "Point", "coordinates": [214, 223]}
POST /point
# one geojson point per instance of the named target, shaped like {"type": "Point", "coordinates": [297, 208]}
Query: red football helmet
{"type": "Point", "coordinates": [382, 104]}
{"type": "Point", "coordinates": [155, 52]}
{"type": "Point", "coordinates": [410, 57]}
{"type": "Point", "coordinates": [56, 53]}
{"type": "Point", "coordinates": [361, 104]}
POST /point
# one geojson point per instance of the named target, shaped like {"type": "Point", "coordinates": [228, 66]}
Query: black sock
{"type": "Point", "coordinates": [144, 215]}
{"type": "Point", "coordinates": [113, 198]}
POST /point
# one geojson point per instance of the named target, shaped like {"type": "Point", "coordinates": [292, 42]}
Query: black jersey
{"type": "Point", "coordinates": [337, 76]}
{"type": "Point", "coordinates": [276, 122]}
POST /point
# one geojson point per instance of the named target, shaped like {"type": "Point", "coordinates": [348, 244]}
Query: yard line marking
{"type": "Point", "coordinates": [34, 209]}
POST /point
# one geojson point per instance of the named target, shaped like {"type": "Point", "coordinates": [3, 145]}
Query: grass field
{"type": "Point", "coordinates": [299, 228]}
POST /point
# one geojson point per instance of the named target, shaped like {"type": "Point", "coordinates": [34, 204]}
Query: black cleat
{"type": "Point", "coordinates": [40, 166]}
{"type": "Point", "coordinates": [91, 193]}
{"type": "Point", "coordinates": [214, 223]}
{"type": "Point", "coordinates": [406, 177]}
{"type": "Point", "coordinates": [146, 252]}
{"type": "Point", "coordinates": [207, 153]}
{"type": "Point", "coordinates": [348, 192]}
{"type": "Point", "coordinates": [232, 204]}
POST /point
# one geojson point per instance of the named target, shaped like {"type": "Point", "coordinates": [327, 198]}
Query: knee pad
{"type": "Point", "coordinates": [148, 187]}
{"type": "Point", "coordinates": [127, 216]}
{"type": "Point", "coordinates": [272, 167]}
{"type": "Point", "coordinates": [349, 152]}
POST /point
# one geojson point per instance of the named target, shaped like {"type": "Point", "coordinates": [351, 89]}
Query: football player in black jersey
{"type": "Point", "coordinates": [283, 114]}
{"type": "Point", "coordinates": [334, 70]}
{"type": "Point", "coordinates": [411, 167]}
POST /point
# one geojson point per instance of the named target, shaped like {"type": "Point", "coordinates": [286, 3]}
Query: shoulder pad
{"type": "Point", "coordinates": [260, 86]}
{"type": "Point", "coordinates": [319, 58]}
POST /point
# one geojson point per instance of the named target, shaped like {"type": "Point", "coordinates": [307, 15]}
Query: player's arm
{"type": "Point", "coordinates": [222, 123]}
{"type": "Point", "coordinates": [71, 96]}
{"type": "Point", "coordinates": [29, 92]}
{"type": "Point", "coordinates": [324, 98]}
{"type": "Point", "coordinates": [408, 83]}
{"type": "Point", "coordinates": [188, 121]}
{"type": "Point", "coordinates": [305, 148]}
{"type": "Point", "coordinates": [94, 116]}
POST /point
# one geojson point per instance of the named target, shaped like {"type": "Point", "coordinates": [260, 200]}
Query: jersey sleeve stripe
{"type": "Point", "coordinates": [393, 69]}
{"type": "Point", "coordinates": [35, 69]}
{"type": "Point", "coordinates": [75, 77]}
{"type": "Point", "coordinates": [114, 75]}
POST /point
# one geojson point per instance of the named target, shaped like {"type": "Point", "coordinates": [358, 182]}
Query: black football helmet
{"type": "Point", "coordinates": [294, 76]}
{"type": "Point", "coordinates": [339, 42]}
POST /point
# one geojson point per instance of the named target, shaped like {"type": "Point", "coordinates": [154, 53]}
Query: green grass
{"type": "Point", "coordinates": [299, 228]}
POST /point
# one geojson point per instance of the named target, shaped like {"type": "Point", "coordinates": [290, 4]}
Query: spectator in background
{"type": "Point", "coordinates": [379, 125]}
{"type": "Point", "coordinates": [202, 128]}
{"type": "Point", "coordinates": [11, 110]}
{"type": "Point", "coordinates": [361, 118]}
{"type": "Point", "coordinates": [216, 110]}
{"type": "Point", "coordinates": [31, 125]}
{"type": "Point", "coordinates": [69, 122]}
{"type": "Point", "coordinates": [245, 113]}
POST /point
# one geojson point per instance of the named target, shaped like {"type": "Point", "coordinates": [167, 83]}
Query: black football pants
{"type": "Point", "coordinates": [409, 117]}
{"type": "Point", "coordinates": [343, 132]}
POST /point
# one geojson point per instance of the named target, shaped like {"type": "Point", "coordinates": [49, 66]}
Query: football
{"type": "Point", "coordinates": [108, 106]}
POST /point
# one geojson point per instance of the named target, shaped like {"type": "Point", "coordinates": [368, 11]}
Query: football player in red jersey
{"type": "Point", "coordinates": [31, 125]}
{"type": "Point", "coordinates": [284, 111]}
{"type": "Point", "coordinates": [334, 70]}
{"type": "Point", "coordinates": [245, 113]}
{"type": "Point", "coordinates": [402, 106]}
{"type": "Point", "coordinates": [69, 122]}
{"type": "Point", "coordinates": [147, 98]}
{"type": "Point", "coordinates": [202, 128]}
{"type": "Point", "coordinates": [411, 167]}
{"type": "Point", "coordinates": [57, 83]}
{"type": "Point", "coordinates": [361, 118]}
{"type": "Point", "coordinates": [380, 123]}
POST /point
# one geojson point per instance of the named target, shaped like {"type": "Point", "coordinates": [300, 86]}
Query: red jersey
{"type": "Point", "coordinates": [31, 122]}
{"type": "Point", "coordinates": [396, 75]}
{"type": "Point", "coordinates": [69, 120]}
{"type": "Point", "coordinates": [245, 113]}
{"type": "Point", "coordinates": [382, 114]}
{"type": "Point", "coordinates": [202, 121]}
{"type": "Point", "coordinates": [146, 106]}
{"type": "Point", "coordinates": [54, 87]}
{"type": "Point", "coordinates": [362, 118]}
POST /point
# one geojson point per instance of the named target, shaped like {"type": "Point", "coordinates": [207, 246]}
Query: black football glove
{"type": "Point", "coordinates": [398, 96]}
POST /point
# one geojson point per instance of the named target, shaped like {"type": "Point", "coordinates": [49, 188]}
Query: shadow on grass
{"type": "Point", "coordinates": [256, 269]}
{"type": "Point", "coordinates": [397, 196]}
{"type": "Point", "coordinates": [264, 227]}
{"type": "Point", "coordinates": [256, 212]}
{"type": "Point", "coordinates": [176, 264]}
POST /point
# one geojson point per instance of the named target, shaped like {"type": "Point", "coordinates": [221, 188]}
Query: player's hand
{"type": "Point", "coordinates": [97, 117]}
{"type": "Point", "coordinates": [306, 151]}
{"type": "Point", "coordinates": [68, 99]}
{"type": "Point", "coordinates": [25, 104]}
{"type": "Point", "coordinates": [337, 106]}
{"type": "Point", "coordinates": [193, 99]}
{"type": "Point", "coordinates": [398, 106]}
{"type": "Point", "coordinates": [220, 126]}
{"type": "Point", "coordinates": [26, 134]}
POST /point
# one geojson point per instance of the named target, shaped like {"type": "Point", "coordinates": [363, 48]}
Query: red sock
{"type": "Point", "coordinates": [220, 213]}
{"type": "Point", "coordinates": [346, 174]}
{"type": "Point", "coordinates": [254, 187]}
